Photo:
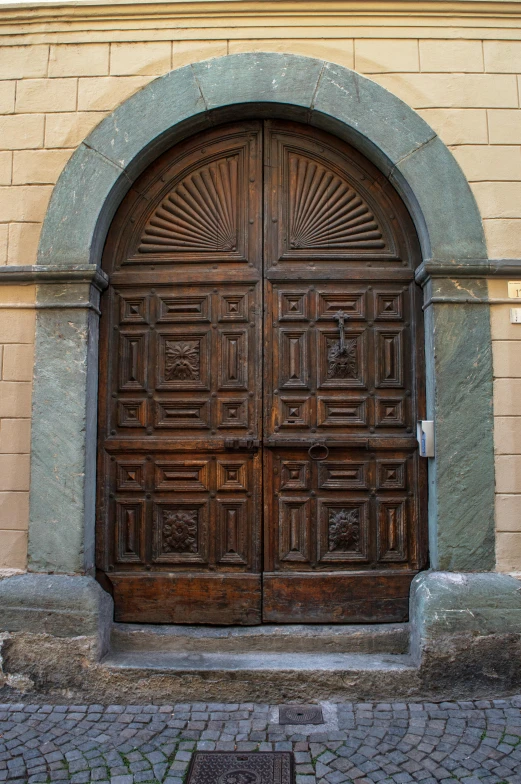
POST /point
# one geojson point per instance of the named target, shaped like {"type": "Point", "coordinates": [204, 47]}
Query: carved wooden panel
{"type": "Point", "coordinates": [392, 530]}
{"type": "Point", "coordinates": [294, 412]}
{"type": "Point", "coordinates": [188, 476]}
{"type": "Point", "coordinates": [180, 530]}
{"type": "Point", "coordinates": [232, 474]}
{"type": "Point", "coordinates": [129, 531]}
{"type": "Point", "coordinates": [133, 353]}
{"type": "Point", "coordinates": [343, 531]}
{"type": "Point", "coordinates": [324, 210]}
{"type": "Point", "coordinates": [132, 413]}
{"type": "Point", "coordinates": [321, 384]}
{"type": "Point", "coordinates": [233, 359]}
{"type": "Point", "coordinates": [192, 307]}
{"type": "Point", "coordinates": [183, 359]}
{"type": "Point", "coordinates": [337, 366]}
{"type": "Point", "coordinates": [200, 214]}
{"type": "Point", "coordinates": [349, 412]}
{"type": "Point", "coordinates": [130, 475]}
{"type": "Point", "coordinates": [294, 475]}
{"type": "Point", "coordinates": [200, 205]}
{"type": "Point", "coordinates": [195, 366]}
{"type": "Point", "coordinates": [328, 203]}
{"type": "Point", "coordinates": [342, 475]}
{"type": "Point", "coordinates": [294, 367]}
{"type": "Point", "coordinates": [389, 358]}
{"type": "Point", "coordinates": [391, 474]}
{"type": "Point", "coordinates": [233, 531]}
{"type": "Point", "coordinates": [133, 310]}
{"type": "Point", "coordinates": [294, 530]}
{"type": "Point", "coordinates": [182, 414]}
{"type": "Point", "coordinates": [358, 509]}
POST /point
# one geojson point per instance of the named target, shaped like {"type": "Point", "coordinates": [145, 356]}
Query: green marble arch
{"type": "Point", "coordinates": [417, 163]}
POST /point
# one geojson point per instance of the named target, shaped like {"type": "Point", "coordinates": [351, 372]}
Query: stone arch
{"type": "Point", "coordinates": [328, 96]}
{"type": "Point", "coordinates": [417, 164]}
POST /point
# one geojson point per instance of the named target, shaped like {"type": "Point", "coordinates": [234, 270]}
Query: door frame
{"type": "Point", "coordinates": [453, 273]}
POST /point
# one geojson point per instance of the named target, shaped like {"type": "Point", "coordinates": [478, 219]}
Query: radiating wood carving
{"type": "Point", "coordinates": [325, 211]}
{"type": "Point", "coordinates": [199, 214]}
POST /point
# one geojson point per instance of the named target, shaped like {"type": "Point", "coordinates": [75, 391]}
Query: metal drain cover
{"type": "Point", "coordinates": [233, 767]}
{"type": "Point", "coordinates": [300, 714]}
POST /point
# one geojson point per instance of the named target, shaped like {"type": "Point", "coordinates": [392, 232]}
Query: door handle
{"type": "Point", "coordinates": [243, 444]}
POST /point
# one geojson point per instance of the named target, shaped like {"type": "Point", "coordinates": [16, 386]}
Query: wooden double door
{"type": "Point", "coordinates": [260, 378]}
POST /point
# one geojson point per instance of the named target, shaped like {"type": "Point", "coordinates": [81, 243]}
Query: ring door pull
{"type": "Point", "coordinates": [318, 451]}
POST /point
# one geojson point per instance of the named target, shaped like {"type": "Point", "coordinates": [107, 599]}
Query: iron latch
{"type": "Point", "coordinates": [247, 444]}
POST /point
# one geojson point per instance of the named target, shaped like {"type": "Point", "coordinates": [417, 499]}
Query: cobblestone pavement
{"type": "Point", "coordinates": [468, 742]}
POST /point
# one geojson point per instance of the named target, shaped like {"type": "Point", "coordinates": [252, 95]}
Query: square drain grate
{"type": "Point", "coordinates": [233, 767]}
{"type": "Point", "coordinates": [300, 714]}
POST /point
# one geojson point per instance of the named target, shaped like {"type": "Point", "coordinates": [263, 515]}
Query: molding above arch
{"type": "Point", "coordinates": [327, 96]}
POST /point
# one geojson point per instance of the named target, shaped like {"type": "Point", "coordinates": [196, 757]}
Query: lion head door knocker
{"type": "Point", "coordinates": [341, 355]}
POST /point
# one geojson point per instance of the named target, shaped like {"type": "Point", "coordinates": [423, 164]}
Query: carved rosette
{"type": "Point", "coordinates": [179, 531]}
{"type": "Point", "coordinates": [182, 360]}
{"type": "Point", "coordinates": [343, 530]}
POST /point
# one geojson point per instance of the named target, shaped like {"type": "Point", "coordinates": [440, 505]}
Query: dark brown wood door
{"type": "Point", "coordinates": [260, 377]}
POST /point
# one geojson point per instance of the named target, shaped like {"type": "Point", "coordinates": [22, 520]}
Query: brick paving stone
{"type": "Point", "coordinates": [394, 743]}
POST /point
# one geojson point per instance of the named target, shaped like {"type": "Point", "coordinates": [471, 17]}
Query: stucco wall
{"type": "Point", "coordinates": [58, 80]}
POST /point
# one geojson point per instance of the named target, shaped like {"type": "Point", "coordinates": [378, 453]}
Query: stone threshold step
{"type": "Point", "coordinates": [391, 638]}
{"type": "Point", "coordinates": [167, 661]}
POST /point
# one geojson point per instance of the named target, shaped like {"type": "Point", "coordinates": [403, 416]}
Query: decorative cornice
{"type": "Point", "coordinates": [468, 268]}
{"type": "Point", "coordinates": [41, 274]}
{"type": "Point", "coordinates": [51, 13]}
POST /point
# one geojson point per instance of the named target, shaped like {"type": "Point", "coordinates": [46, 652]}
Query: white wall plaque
{"type": "Point", "coordinates": [514, 289]}
{"type": "Point", "coordinates": [515, 315]}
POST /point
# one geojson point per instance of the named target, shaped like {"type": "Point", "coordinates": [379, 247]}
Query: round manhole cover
{"type": "Point", "coordinates": [300, 714]}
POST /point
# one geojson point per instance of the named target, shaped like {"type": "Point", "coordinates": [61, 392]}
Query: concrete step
{"type": "Point", "coordinates": [167, 661]}
{"type": "Point", "coordinates": [261, 676]}
{"type": "Point", "coordinates": [392, 638]}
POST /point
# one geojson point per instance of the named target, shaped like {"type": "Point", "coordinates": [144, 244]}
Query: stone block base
{"type": "Point", "coordinates": [466, 632]}
{"type": "Point", "coordinates": [54, 637]}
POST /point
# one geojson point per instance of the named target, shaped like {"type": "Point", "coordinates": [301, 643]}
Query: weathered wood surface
{"type": "Point", "coordinates": [260, 378]}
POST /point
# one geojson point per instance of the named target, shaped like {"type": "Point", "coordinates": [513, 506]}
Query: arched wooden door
{"type": "Point", "coordinates": [261, 373]}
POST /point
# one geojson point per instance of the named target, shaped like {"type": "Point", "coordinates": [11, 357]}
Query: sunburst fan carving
{"type": "Point", "coordinates": [199, 215]}
{"type": "Point", "coordinates": [325, 211]}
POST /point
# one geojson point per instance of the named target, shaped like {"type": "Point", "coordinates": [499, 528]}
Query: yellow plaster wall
{"type": "Point", "coordinates": [17, 317]}
{"type": "Point", "coordinates": [61, 73]}
{"type": "Point", "coordinates": [506, 351]}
